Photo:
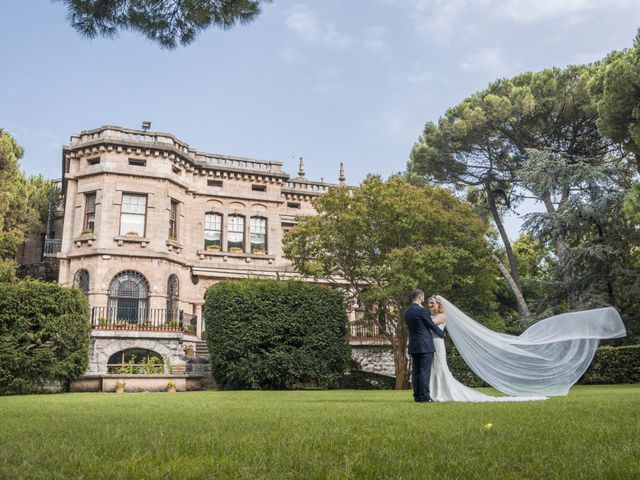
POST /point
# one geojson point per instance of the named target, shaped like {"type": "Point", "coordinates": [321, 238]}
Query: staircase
{"type": "Point", "coordinates": [201, 348]}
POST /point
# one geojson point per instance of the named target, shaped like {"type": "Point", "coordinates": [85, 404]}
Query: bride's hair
{"type": "Point", "coordinates": [436, 299]}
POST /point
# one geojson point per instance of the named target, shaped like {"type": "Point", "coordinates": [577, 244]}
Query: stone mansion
{"type": "Point", "coordinates": [147, 224]}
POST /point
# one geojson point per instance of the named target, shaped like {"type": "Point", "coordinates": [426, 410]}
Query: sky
{"type": "Point", "coordinates": [332, 81]}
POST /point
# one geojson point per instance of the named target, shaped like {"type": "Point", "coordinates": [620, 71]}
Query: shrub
{"type": "Point", "coordinates": [611, 365]}
{"type": "Point", "coordinates": [44, 335]}
{"type": "Point", "coordinates": [265, 334]}
{"type": "Point", "coordinates": [614, 365]}
{"type": "Point", "coordinates": [361, 380]}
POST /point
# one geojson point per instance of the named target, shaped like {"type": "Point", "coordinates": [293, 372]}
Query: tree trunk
{"type": "Point", "coordinates": [561, 248]}
{"type": "Point", "coordinates": [522, 305]}
{"type": "Point", "coordinates": [400, 359]}
{"type": "Point", "coordinates": [513, 279]}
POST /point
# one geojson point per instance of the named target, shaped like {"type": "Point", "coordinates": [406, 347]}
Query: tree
{"type": "Point", "coordinates": [615, 93]}
{"type": "Point", "coordinates": [484, 141]}
{"type": "Point", "coordinates": [602, 262]}
{"type": "Point", "coordinates": [632, 204]}
{"type": "Point", "coordinates": [384, 239]}
{"type": "Point", "coordinates": [24, 202]}
{"type": "Point", "coordinates": [165, 22]}
{"type": "Point", "coordinates": [465, 149]}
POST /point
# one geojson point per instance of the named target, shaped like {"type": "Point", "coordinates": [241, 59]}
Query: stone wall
{"type": "Point", "coordinates": [374, 358]}
{"type": "Point", "coordinates": [106, 343]}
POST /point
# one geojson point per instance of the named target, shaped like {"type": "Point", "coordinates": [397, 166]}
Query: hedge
{"type": "Point", "coordinates": [611, 365]}
{"type": "Point", "coordinates": [44, 335]}
{"type": "Point", "coordinates": [614, 365]}
{"type": "Point", "coordinates": [266, 334]}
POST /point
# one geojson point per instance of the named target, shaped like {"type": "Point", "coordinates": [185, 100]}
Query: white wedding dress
{"type": "Point", "coordinates": [545, 360]}
{"type": "Point", "coordinates": [443, 387]}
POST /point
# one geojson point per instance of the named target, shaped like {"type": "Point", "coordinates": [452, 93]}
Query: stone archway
{"type": "Point", "coordinates": [103, 347]}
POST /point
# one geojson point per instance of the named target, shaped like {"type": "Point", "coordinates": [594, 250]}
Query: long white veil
{"type": "Point", "coordinates": [546, 359]}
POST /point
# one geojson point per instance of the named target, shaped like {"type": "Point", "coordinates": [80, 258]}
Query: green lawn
{"type": "Point", "coordinates": [592, 433]}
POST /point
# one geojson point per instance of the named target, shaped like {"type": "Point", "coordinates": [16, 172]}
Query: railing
{"type": "Point", "coordinates": [51, 246]}
{"type": "Point", "coordinates": [365, 331]}
{"type": "Point", "coordinates": [143, 319]}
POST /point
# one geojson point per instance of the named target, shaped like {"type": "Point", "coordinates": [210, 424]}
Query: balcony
{"type": "Point", "coordinates": [366, 333]}
{"type": "Point", "coordinates": [51, 247]}
{"type": "Point", "coordinates": [143, 319]}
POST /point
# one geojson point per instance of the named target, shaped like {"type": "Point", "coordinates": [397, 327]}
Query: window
{"type": "Point", "coordinates": [236, 233]}
{"type": "Point", "coordinates": [89, 212]}
{"type": "Point", "coordinates": [259, 188]}
{"type": "Point", "coordinates": [81, 281]}
{"type": "Point", "coordinates": [258, 234]}
{"type": "Point", "coordinates": [128, 298]}
{"type": "Point", "coordinates": [135, 361]}
{"type": "Point", "coordinates": [173, 292]}
{"type": "Point", "coordinates": [213, 231]}
{"type": "Point", "coordinates": [173, 220]}
{"type": "Point", "coordinates": [133, 214]}
{"type": "Point", "coordinates": [293, 205]}
{"type": "Point", "coordinates": [136, 162]}
{"type": "Point", "coordinates": [214, 183]}
{"type": "Point", "coordinates": [93, 161]}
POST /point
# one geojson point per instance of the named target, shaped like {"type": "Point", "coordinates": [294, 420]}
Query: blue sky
{"type": "Point", "coordinates": [332, 80]}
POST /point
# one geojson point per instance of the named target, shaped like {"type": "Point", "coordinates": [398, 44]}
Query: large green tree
{"type": "Point", "coordinates": [602, 260]}
{"type": "Point", "coordinates": [615, 93]}
{"type": "Point", "coordinates": [167, 23]}
{"type": "Point", "coordinates": [483, 142]}
{"type": "Point", "coordinates": [24, 202]}
{"type": "Point", "coordinates": [385, 238]}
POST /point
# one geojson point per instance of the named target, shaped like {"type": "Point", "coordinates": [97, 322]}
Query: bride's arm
{"type": "Point", "coordinates": [440, 319]}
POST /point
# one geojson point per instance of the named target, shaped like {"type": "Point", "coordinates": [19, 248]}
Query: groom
{"type": "Point", "coordinates": [421, 347]}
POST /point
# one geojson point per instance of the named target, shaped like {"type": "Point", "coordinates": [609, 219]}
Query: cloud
{"type": "Point", "coordinates": [447, 20]}
{"type": "Point", "coordinates": [486, 59]}
{"type": "Point", "coordinates": [303, 21]}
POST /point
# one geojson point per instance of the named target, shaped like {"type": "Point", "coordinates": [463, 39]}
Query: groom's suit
{"type": "Point", "coordinates": [421, 349]}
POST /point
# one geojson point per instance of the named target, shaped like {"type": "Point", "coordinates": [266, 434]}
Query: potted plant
{"type": "Point", "coordinates": [215, 248]}
{"type": "Point", "coordinates": [132, 234]}
{"type": "Point", "coordinates": [86, 231]}
{"type": "Point", "coordinates": [120, 386]}
{"type": "Point", "coordinates": [171, 386]}
{"type": "Point", "coordinates": [259, 251]}
{"type": "Point", "coordinates": [189, 351]}
{"type": "Point", "coordinates": [235, 250]}
{"type": "Point", "coordinates": [102, 322]}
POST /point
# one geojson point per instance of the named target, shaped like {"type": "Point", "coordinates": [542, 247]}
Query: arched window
{"type": "Point", "coordinates": [213, 231]}
{"type": "Point", "coordinates": [173, 292]}
{"type": "Point", "coordinates": [258, 234]}
{"type": "Point", "coordinates": [135, 361]}
{"type": "Point", "coordinates": [128, 298]}
{"type": "Point", "coordinates": [81, 281]}
{"type": "Point", "coordinates": [235, 239]}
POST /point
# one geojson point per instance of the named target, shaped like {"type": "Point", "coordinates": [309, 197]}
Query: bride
{"type": "Point", "coordinates": [545, 360]}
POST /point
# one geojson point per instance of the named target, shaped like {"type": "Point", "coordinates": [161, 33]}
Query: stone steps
{"type": "Point", "coordinates": [201, 348]}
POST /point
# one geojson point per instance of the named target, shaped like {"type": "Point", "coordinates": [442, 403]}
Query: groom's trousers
{"type": "Point", "coordinates": [420, 375]}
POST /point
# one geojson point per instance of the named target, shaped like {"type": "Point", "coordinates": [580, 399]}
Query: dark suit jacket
{"type": "Point", "coordinates": [419, 323]}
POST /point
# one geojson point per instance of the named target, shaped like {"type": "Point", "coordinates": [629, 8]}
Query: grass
{"type": "Point", "coordinates": [592, 433]}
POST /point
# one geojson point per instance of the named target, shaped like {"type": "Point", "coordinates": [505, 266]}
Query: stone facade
{"type": "Point", "coordinates": [374, 358]}
{"type": "Point", "coordinates": [175, 187]}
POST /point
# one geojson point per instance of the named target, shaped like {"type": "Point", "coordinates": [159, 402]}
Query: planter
{"type": "Point", "coordinates": [189, 352]}
{"type": "Point", "coordinates": [171, 389]}
{"type": "Point", "coordinates": [119, 389]}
